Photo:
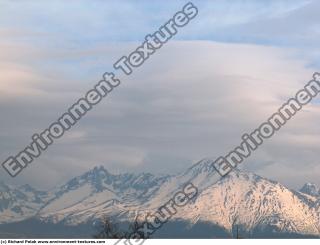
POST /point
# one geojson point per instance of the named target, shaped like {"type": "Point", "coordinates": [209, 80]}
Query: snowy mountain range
{"type": "Point", "coordinates": [255, 205]}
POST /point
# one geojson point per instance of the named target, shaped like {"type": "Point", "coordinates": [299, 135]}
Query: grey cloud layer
{"type": "Point", "coordinates": [179, 106]}
{"type": "Point", "coordinates": [174, 111]}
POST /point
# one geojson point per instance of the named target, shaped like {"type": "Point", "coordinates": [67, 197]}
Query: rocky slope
{"type": "Point", "coordinates": [241, 199]}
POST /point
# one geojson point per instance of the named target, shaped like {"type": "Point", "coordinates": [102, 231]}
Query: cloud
{"type": "Point", "coordinates": [192, 99]}
{"type": "Point", "coordinates": [95, 21]}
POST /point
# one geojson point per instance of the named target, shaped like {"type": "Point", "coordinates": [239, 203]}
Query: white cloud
{"type": "Point", "coordinates": [190, 100]}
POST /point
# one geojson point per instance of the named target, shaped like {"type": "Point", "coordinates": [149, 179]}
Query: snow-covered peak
{"type": "Point", "coordinates": [205, 165]}
{"type": "Point", "coordinates": [254, 204]}
{"type": "Point", "coordinates": [310, 189]}
{"type": "Point", "coordinates": [97, 172]}
{"type": "Point", "coordinates": [241, 198]}
{"type": "Point", "coordinates": [19, 203]}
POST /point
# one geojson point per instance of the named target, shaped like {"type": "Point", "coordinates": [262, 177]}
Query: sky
{"type": "Point", "coordinates": [221, 76]}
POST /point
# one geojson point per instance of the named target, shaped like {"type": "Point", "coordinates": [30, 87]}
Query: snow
{"type": "Point", "coordinates": [68, 199]}
{"type": "Point", "coordinates": [240, 198]}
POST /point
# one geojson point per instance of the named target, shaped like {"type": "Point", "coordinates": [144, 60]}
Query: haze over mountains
{"type": "Point", "coordinates": [257, 206]}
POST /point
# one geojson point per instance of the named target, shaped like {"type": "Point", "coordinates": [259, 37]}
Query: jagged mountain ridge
{"type": "Point", "coordinates": [310, 189]}
{"type": "Point", "coordinates": [241, 198]}
{"type": "Point", "coordinates": [19, 203]}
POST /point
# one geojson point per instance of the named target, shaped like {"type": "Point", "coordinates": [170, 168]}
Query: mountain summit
{"type": "Point", "coordinates": [252, 203]}
{"type": "Point", "coordinates": [310, 189]}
